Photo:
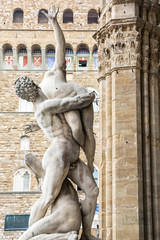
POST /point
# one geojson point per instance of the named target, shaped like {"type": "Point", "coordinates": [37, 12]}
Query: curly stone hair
{"type": "Point", "coordinates": [26, 89]}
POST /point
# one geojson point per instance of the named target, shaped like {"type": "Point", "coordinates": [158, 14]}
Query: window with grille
{"type": "Point", "coordinates": [83, 58]}
{"type": "Point", "coordinates": [68, 16]}
{"type": "Point", "coordinates": [92, 16]}
{"type": "Point", "coordinates": [41, 17]}
{"type": "Point", "coordinates": [18, 16]}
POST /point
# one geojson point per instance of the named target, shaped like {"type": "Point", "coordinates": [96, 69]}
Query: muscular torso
{"type": "Point", "coordinates": [53, 125]}
{"type": "Point", "coordinates": [55, 85]}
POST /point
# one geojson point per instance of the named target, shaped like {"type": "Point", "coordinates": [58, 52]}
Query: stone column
{"type": "Point", "coordinates": [15, 58]}
{"type": "Point", "coordinates": [102, 169]}
{"type": "Point", "coordinates": [129, 47]}
{"type": "Point", "coordinates": [29, 56]}
{"type": "Point", "coordinates": [155, 130]}
{"type": "Point", "coordinates": [43, 59]}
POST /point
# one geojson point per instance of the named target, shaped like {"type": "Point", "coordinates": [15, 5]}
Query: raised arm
{"type": "Point", "coordinates": [60, 62]}
{"type": "Point", "coordinates": [57, 105]}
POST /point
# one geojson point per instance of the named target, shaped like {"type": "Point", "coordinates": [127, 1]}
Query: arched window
{"type": "Point", "coordinates": [18, 16]}
{"type": "Point", "coordinates": [24, 143]}
{"type": "Point", "coordinates": [36, 56]}
{"type": "Point", "coordinates": [96, 100]}
{"type": "Point", "coordinates": [22, 178]}
{"type": "Point", "coordinates": [8, 56]}
{"type": "Point", "coordinates": [25, 106]}
{"type": "Point", "coordinates": [92, 16]}
{"type": "Point", "coordinates": [41, 17]}
{"type": "Point", "coordinates": [50, 56]}
{"type": "Point", "coordinates": [83, 58]}
{"type": "Point", "coordinates": [22, 56]}
{"type": "Point", "coordinates": [95, 58]}
{"type": "Point", "coordinates": [68, 16]}
{"type": "Point", "coordinates": [69, 58]}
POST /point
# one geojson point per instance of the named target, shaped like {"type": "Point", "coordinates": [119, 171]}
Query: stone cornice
{"type": "Point", "coordinates": [119, 23]}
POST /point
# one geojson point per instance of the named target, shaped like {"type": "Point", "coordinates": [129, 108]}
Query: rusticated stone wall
{"type": "Point", "coordinates": [12, 121]}
{"type": "Point", "coordinates": [129, 46]}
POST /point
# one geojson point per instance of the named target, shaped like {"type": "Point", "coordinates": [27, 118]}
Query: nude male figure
{"type": "Point", "coordinates": [54, 84]}
{"type": "Point", "coordinates": [65, 219]}
{"type": "Point", "coordinates": [63, 151]}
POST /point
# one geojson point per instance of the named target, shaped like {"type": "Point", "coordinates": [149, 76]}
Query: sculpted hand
{"type": "Point", "coordinates": [30, 127]}
{"type": "Point", "coordinates": [53, 14]}
{"type": "Point", "coordinates": [85, 97]}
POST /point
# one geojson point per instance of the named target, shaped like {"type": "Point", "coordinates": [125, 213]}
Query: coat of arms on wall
{"type": "Point", "coordinates": [50, 61]}
{"type": "Point", "coordinates": [9, 61]}
{"type": "Point", "coordinates": [37, 61]}
{"type": "Point", "coordinates": [23, 61]}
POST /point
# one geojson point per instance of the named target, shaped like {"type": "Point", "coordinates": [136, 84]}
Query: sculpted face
{"type": "Point", "coordinates": [26, 89]}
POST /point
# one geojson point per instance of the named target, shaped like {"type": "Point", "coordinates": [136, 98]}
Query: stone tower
{"type": "Point", "coordinates": [128, 46]}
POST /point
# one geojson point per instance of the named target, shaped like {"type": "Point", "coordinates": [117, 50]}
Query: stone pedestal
{"type": "Point", "coordinates": [128, 47]}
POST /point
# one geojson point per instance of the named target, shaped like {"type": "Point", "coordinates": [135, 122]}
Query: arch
{"type": "Point", "coordinates": [18, 15]}
{"type": "Point", "coordinates": [22, 179]}
{"type": "Point", "coordinates": [50, 56]}
{"type": "Point", "coordinates": [92, 16]}
{"type": "Point", "coordinates": [7, 48]}
{"type": "Point", "coordinates": [69, 57]}
{"type": "Point", "coordinates": [82, 49]}
{"type": "Point", "coordinates": [68, 16]}
{"type": "Point", "coordinates": [41, 17]}
{"type": "Point", "coordinates": [96, 100]}
{"type": "Point", "coordinates": [22, 55]}
{"type": "Point", "coordinates": [36, 56]}
{"type": "Point", "coordinates": [8, 56]}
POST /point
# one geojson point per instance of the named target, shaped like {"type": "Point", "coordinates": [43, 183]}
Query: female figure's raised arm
{"type": "Point", "coordinates": [60, 62]}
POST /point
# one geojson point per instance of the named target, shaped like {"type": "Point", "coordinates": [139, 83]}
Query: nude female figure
{"type": "Point", "coordinates": [54, 84]}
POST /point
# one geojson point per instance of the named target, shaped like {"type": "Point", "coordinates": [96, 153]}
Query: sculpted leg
{"type": "Point", "coordinates": [56, 169]}
{"type": "Point", "coordinates": [82, 176]}
{"type": "Point", "coordinates": [74, 121]}
{"type": "Point", "coordinates": [89, 144]}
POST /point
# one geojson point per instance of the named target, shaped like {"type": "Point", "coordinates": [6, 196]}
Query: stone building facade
{"type": "Point", "coordinates": [27, 48]}
{"type": "Point", "coordinates": [128, 46]}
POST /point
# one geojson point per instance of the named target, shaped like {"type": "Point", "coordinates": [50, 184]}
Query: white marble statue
{"type": "Point", "coordinates": [64, 112]}
{"type": "Point", "coordinates": [54, 84]}
{"type": "Point", "coordinates": [63, 152]}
